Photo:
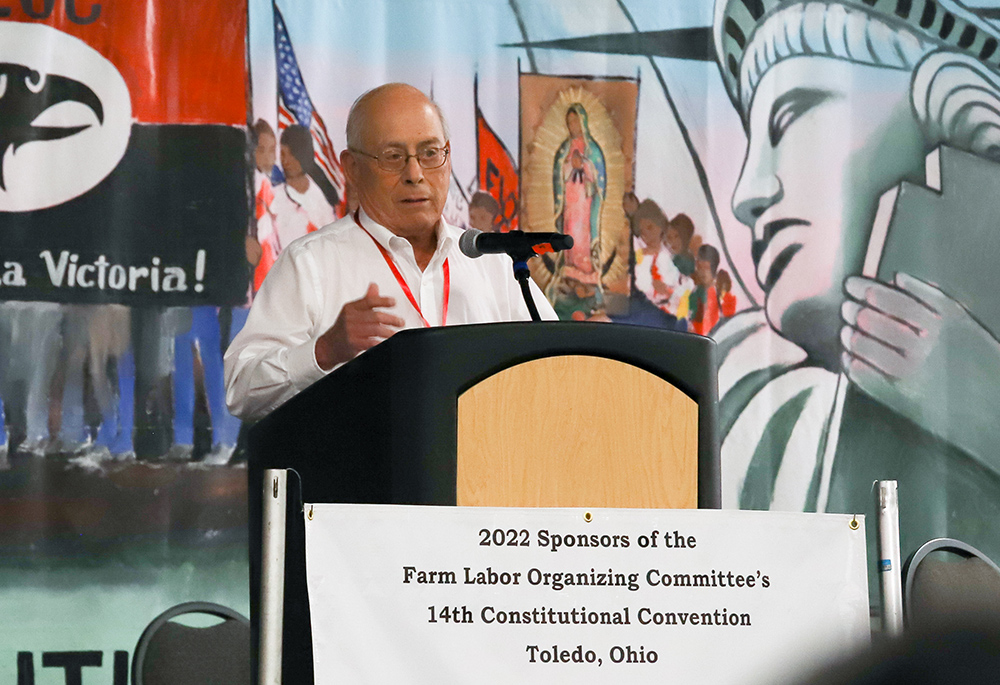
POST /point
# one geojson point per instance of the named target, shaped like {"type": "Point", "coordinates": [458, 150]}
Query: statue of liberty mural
{"type": "Point", "coordinates": [579, 185]}
{"type": "Point", "coordinates": [843, 378]}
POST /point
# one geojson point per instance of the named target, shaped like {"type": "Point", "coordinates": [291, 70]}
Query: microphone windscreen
{"type": "Point", "coordinates": [467, 243]}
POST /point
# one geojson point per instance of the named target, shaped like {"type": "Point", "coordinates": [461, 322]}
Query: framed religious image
{"type": "Point", "coordinates": [577, 158]}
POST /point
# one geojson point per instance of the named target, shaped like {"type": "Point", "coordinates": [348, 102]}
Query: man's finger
{"type": "Point", "coordinates": [389, 319]}
{"type": "Point", "coordinates": [369, 328]}
{"type": "Point", "coordinates": [365, 304]}
{"type": "Point", "coordinates": [373, 299]}
{"type": "Point", "coordinates": [369, 336]}
{"type": "Point", "coordinates": [362, 314]}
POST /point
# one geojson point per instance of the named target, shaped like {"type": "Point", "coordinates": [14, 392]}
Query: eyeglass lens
{"type": "Point", "coordinates": [394, 159]}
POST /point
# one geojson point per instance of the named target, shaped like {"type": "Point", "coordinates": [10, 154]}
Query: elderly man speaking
{"type": "Point", "coordinates": [392, 264]}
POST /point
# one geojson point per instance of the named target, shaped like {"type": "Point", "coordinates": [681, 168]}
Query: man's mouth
{"type": "Point", "coordinates": [780, 262]}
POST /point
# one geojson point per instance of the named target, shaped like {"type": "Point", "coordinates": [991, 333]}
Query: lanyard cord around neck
{"type": "Point", "coordinates": [402, 282]}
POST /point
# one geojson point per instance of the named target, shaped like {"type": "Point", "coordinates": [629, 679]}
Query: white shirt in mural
{"type": "Point", "coordinates": [297, 214]}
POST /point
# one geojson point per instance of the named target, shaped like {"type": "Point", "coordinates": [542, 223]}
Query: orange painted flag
{"type": "Point", "coordinates": [497, 173]}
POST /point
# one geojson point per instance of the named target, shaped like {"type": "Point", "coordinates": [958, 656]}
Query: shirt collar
{"type": "Point", "coordinates": [390, 240]}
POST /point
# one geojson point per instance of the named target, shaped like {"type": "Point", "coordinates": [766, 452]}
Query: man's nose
{"type": "Point", "coordinates": [413, 172]}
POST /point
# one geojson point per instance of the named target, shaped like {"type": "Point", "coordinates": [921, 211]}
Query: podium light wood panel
{"type": "Point", "coordinates": [577, 431]}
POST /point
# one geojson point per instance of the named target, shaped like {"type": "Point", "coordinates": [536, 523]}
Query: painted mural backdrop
{"type": "Point", "coordinates": [810, 183]}
{"type": "Point", "coordinates": [124, 201]}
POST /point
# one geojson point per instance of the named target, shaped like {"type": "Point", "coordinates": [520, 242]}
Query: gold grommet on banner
{"type": "Point", "coordinates": [854, 523]}
{"type": "Point", "coordinates": [588, 517]}
{"type": "Point", "coordinates": [309, 514]}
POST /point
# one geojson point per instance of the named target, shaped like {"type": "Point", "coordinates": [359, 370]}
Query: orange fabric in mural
{"type": "Point", "coordinates": [184, 62]}
{"type": "Point", "coordinates": [497, 173]}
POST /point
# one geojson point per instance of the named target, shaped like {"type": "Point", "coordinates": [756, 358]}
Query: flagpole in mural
{"type": "Point", "coordinates": [497, 173]}
{"type": "Point", "coordinates": [695, 159]}
{"type": "Point", "coordinates": [456, 207]}
{"type": "Point", "coordinates": [296, 107]}
{"type": "Point", "coordinates": [524, 35]}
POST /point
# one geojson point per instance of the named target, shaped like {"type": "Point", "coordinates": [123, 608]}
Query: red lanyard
{"type": "Point", "coordinates": [402, 283]}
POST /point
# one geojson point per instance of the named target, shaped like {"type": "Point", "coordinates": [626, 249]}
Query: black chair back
{"type": "Point", "coordinates": [171, 653]}
{"type": "Point", "coordinates": [947, 579]}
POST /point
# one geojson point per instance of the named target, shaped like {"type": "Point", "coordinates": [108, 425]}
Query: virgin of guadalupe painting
{"type": "Point", "coordinates": [579, 186]}
{"type": "Point", "coordinates": [577, 145]}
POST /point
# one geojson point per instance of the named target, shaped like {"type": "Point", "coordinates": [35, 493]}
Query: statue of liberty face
{"type": "Point", "coordinates": [826, 138]}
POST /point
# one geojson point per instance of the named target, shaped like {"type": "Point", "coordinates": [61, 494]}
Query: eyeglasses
{"type": "Point", "coordinates": [396, 159]}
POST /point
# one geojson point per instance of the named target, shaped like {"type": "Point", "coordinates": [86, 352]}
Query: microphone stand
{"type": "Point", "coordinates": [520, 251]}
{"type": "Point", "coordinates": [522, 274]}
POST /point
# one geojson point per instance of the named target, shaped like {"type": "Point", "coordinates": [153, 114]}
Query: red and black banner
{"type": "Point", "coordinates": [123, 172]}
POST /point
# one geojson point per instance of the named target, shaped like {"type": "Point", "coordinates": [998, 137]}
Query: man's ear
{"type": "Point", "coordinates": [956, 99]}
{"type": "Point", "coordinates": [350, 164]}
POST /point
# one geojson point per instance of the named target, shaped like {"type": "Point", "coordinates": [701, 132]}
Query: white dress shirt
{"type": "Point", "coordinates": [273, 357]}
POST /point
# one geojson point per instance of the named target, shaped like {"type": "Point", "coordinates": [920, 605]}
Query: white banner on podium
{"type": "Point", "coordinates": [420, 594]}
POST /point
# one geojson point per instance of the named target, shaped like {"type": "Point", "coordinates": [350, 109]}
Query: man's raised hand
{"type": "Point", "coordinates": [360, 325]}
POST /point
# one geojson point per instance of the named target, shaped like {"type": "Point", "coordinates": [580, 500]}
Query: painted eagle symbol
{"type": "Point", "coordinates": [24, 94]}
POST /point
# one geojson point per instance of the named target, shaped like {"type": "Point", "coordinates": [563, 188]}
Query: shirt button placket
{"type": "Point", "coordinates": [426, 295]}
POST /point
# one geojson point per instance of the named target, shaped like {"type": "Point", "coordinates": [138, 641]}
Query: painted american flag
{"type": "Point", "coordinates": [295, 107]}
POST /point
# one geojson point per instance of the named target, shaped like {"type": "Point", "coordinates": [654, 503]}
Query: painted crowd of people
{"type": "Point", "coordinates": [291, 200]}
{"type": "Point", "coordinates": [676, 277]}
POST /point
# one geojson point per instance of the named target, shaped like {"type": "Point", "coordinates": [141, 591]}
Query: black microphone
{"type": "Point", "coordinates": [518, 244]}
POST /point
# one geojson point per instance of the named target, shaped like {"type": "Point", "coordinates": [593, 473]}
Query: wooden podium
{"type": "Point", "coordinates": [576, 431]}
{"type": "Point", "coordinates": [519, 414]}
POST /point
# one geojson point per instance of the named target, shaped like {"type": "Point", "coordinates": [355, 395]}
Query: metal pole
{"type": "Point", "coordinates": [272, 577]}
{"type": "Point", "coordinates": [890, 580]}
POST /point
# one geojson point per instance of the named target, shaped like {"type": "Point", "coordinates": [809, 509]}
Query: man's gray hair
{"type": "Point", "coordinates": [355, 120]}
